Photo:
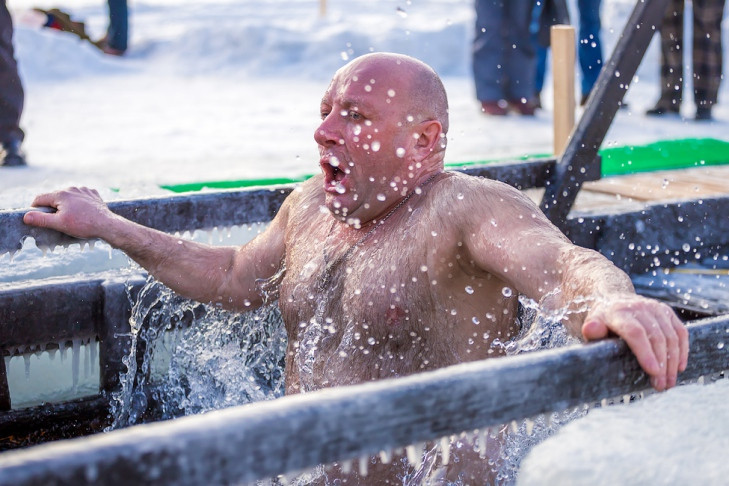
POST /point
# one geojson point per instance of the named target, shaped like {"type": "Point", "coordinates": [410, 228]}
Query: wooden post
{"type": "Point", "coordinates": [562, 38]}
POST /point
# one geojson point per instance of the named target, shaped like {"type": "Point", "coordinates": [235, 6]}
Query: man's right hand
{"type": "Point", "coordinates": [80, 212]}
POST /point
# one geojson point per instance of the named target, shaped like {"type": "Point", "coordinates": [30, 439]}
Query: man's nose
{"type": "Point", "coordinates": [327, 134]}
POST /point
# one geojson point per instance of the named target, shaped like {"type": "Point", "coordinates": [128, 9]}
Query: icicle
{"type": "Point", "coordinates": [347, 466]}
{"type": "Point", "coordinates": [529, 426]}
{"type": "Point", "coordinates": [26, 360]}
{"type": "Point", "coordinates": [385, 457]}
{"type": "Point", "coordinates": [514, 426]}
{"type": "Point", "coordinates": [445, 449]}
{"type": "Point", "coordinates": [700, 381]}
{"type": "Point", "coordinates": [415, 454]}
{"type": "Point", "coordinates": [363, 465]}
{"type": "Point", "coordinates": [626, 399]}
{"type": "Point", "coordinates": [283, 479]}
{"type": "Point", "coordinates": [52, 354]}
{"type": "Point", "coordinates": [62, 349]}
{"type": "Point", "coordinates": [75, 358]}
{"type": "Point", "coordinates": [87, 361]}
{"type": "Point", "coordinates": [93, 351]}
{"type": "Point", "coordinates": [482, 442]}
{"type": "Point", "coordinates": [550, 418]}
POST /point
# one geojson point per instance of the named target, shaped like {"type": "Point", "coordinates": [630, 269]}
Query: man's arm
{"type": "Point", "coordinates": [510, 237]}
{"type": "Point", "coordinates": [220, 275]}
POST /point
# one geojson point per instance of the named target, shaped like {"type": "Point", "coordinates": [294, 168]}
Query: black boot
{"type": "Point", "coordinates": [703, 113]}
{"type": "Point", "coordinates": [11, 155]}
{"type": "Point", "coordinates": [660, 110]}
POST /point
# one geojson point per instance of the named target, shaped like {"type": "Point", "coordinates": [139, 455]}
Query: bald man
{"type": "Point", "coordinates": [386, 265]}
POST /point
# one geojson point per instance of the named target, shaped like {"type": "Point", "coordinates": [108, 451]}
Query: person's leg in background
{"type": "Point", "coordinates": [707, 54]}
{"type": "Point", "coordinates": [488, 56]}
{"type": "Point", "coordinates": [11, 96]}
{"type": "Point", "coordinates": [671, 61]}
{"type": "Point", "coordinates": [589, 47]}
{"type": "Point", "coordinates": [117, 36]}
{"type": "Point", "coordinates": [519, 60]}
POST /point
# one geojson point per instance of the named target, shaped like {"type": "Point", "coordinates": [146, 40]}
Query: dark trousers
{"type": "Point", "coordinates": [705, 52]}
{"type": "Point", "coordinates": [118, 33]}
{"type": "Point", "coordinates": [11, 90]}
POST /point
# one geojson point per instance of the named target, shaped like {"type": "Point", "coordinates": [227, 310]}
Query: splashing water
{"type": "Point", "coordinates": [207, 358]}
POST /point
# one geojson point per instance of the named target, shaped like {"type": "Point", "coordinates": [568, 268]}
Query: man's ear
{"type": "Point", "coordinates": [427, 137]}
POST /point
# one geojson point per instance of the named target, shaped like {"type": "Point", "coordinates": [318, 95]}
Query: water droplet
{"type": "Point", "coordinates": [424, 268]}
{"type": "Point", "coordinates": [475, 320]}
{"type": "Point", "coordinates": [375, 146]}
{"type": "Point", "coordinates": [371, 341]}
{"type": "Point", "coordinates": [391, 92]}
{"type": "Point", "coordinates": [400, 152]}
{"type": "Point", "coordinates": [720, 345]}
{"type": "Point", "coordinates": [686, 247]}
{"type": "Point", "coordinates": [460, 196]}
{"type": "Point", "coordinates": [506, 292]}
{"type": "Point", "coordinates": [469, 289]}
{"type": "Point", "coordinates": [381, 197]}
{"type": "Point", "coordinates": [368, 88]}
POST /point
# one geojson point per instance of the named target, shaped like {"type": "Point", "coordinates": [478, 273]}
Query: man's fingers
{"type": "Point", "coordinates": [592, 330]}
{"type": "Point", "coordinates": [48, 200]}
{"type": "Point", "coordinates": [37, 218]}
{"type": "Point", "coordinates": [649, 348]}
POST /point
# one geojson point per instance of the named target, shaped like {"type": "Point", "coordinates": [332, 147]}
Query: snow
{"type": "Point", "coordinates": [224, 89]}
{"type": "Point", "coordinates": [229, 89]}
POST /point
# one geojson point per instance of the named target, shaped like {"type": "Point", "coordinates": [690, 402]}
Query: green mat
{"type": "Point", "coordinates": [629, 159]}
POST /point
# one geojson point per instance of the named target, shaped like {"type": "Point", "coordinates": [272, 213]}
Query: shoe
{"type": "Point", "coordinates": [11, 155]}
{"type": "Point", "coordinates": [523, 106]}
{"type": "Point", "coordinates": [660, 110]}
{"type": "Point", "coordinates": [703, 113]}
{"type": "Point", "coordinates": [103, 44]}
{"type": "Point", "coordinates": [494, 108]}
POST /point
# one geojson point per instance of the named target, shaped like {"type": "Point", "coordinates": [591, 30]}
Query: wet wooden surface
{"type": "Point", "coordinates": [630, 192]}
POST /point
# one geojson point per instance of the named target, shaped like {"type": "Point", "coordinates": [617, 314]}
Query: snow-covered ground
{"type": "Point", "coordinates": [229, 89]}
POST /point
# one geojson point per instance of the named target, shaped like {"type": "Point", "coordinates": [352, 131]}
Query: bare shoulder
{"type": "Point", "coordinates": [466, 200]}
{"type": "Point", "coordinates": [303, 203]}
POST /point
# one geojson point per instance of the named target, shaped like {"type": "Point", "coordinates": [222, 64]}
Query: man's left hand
{"type": "Point", "coordinates": [651, 329]}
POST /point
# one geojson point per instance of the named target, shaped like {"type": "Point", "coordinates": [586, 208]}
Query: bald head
{"type": "Point", "coordinates": [425, 97]}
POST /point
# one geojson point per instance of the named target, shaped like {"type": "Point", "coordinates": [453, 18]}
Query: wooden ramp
{"type": "Point", "coordinates": [623, 192]}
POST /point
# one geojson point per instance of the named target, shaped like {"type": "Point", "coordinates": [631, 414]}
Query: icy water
{"type": "Point", "coordinates": [189, 358]}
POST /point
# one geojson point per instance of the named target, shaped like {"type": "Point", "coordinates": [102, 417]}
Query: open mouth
{"type": "Point", "coordinates": [334, 174]}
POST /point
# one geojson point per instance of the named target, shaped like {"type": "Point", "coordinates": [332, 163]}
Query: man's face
{"type": "Point", "coordinates": [365, 140]}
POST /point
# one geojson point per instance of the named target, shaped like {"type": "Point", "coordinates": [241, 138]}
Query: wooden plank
{"type": "Point", "coordinates": [603, 103]}
{"type": "Point", "coordinates": [563, 74]}
{"type": "Point", "coordinates": [228, 208]}
{"type": "Point", "coordinates": [666, 185]}
{"type": "Point", "coordinates": [176, 213]}
{"type": "Point", "coordinates": [39, 314]}
{"type": "Point", "coordinates": [247, 443]}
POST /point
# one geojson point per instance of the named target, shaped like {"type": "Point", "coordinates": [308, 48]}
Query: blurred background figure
{"type": "Point", "coordinates": [117, 35]}
{"type": "Point", "coordinates": [705, 52]}
{"type": "Point", "coordinates": [589, 48]}
{"type": "Point", "coordinates": [503, 57]}
{"type": "Point", "coordinates": [11, 96]}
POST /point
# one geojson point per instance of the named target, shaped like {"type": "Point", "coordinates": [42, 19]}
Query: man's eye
{"type": "Point", "coordinates": [355, 115]}
{"type": "Point", "coordinates": [324, 114]}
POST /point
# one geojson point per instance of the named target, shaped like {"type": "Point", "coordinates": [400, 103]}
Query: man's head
{"type": "Point", "coordinates": [383, 131]}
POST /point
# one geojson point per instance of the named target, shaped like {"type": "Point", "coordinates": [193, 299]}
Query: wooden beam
{"type": "Point", "coordinates": [201, 211]}
{"type": "Point", "coordinates": [604, 101]}
{"type": "Point", "coordinates": [563, 74]}
{"type": "Point", "coordinates": [251, 442]}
